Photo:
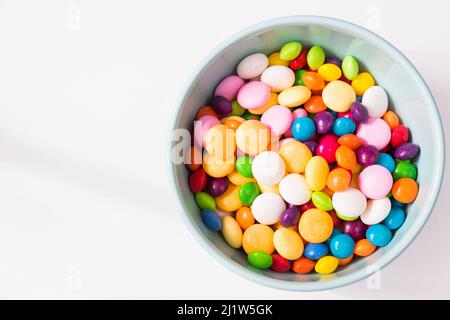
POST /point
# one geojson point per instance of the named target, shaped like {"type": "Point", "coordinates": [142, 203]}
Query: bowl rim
{"type": "Point", "coordinates": [389, 255]}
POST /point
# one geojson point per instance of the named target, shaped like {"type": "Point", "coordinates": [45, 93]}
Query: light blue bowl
{"type": "Point", "coordinates": [409, 97]}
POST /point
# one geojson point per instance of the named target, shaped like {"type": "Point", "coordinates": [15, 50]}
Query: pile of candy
{"type": "Point", "coordinates": [301, 163]}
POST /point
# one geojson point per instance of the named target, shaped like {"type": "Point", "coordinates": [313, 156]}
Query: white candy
{"type": "Point", "coordinates": [278, 78]}
{"type": "Point", "coordinates": [268, 168]}
{"type": "Point", "coordinates": [376, 211]}
{"type": "Point", "coordinates": [375, 100]}
{"type": "Point", "coordinates": [268, 207]}
{"type": "Point", "coordinates": [350, 203]}
{"type": "Point", "coordinates": [294, 190]}
{"type": "Point", "coordinates": [252, 66]}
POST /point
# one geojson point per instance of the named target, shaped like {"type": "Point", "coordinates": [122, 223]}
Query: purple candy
{"type": "Point", "coordinates": [290, 216]}
{"type": "Point", "coordinates": [312, 145]}
{"type": "Point", "coordinates": [359, 112]}
{"type": "Point", "coordinates": [324, 122]}
{"type": "Point", "coordinates": [221, 105]}
{"type": "Point", "coordinates": [216, 186]}
{"type": "Point", "coordinates": [367, 155]}
{"type": "Point", "coordinates": [355, 229]}
{"type": "Point", "coordinates": [406, 151]}
{"type": "Point", "coordinates": [334, 60]}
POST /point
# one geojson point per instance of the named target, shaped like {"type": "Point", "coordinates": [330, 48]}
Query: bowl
{"type": "Point", "coordinates": [408, 94]}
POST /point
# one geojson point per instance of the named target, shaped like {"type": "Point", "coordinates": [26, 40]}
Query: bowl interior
{"type": "Point", "coordinates": [408, 96]}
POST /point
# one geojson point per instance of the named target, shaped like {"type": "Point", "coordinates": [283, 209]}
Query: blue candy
{"type": "Point", "coordinates": [385, 160]}
{"type": "Point", "coordinates": [333, 234]}
{"type": "Point", "coordinates": [342, 246]}
{"type": "Point", "coordinates": [315, 251]}
{"type": "Point", "coordinates": [343, 126]}
{"type": "Point", "coordinates": [303, 128]}
{"type": "Point", "coordinates": [212, 220]}
{"type": "Point", "coordinates": [395, 218]}
{"type": "Point", "coordinates": [397, 204]}
{"type": "Point", "coordinates": [379, 235]}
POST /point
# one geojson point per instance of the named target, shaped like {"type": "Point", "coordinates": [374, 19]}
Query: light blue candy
{"type": "Point", "coordinates": [395, 218]}
{"type": "Point", "coordinates": [386, 161]}
{"type": "Point", "coordinates": [342, 246]}
{"type": "Point", "coordinates": [379, 235]}
{"type": "Point", "coordinates": [315, 251]}
{"type": "Point", "coordinates": [303, 129]}
{"type": "Point", "coordinates": [212, 220]}
{"type": "Point", "coordinates": [343, 126]}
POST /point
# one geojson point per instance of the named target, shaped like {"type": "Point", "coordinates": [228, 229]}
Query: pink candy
{"type": "Point", "coordinates": [229, 87]}
{"type": "Point", "coordinates": [375, 132]}
{"type": "Point", "coordinates": [375, 182]}
{"type": "Point", "coordinates": [202, 126]}
{"type": "Point", "coordinates": [278, 119]}
{"type": "Point", "coordinates": [253, 95]}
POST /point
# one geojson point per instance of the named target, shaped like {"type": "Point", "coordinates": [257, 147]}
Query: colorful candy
{"type": "Point", "coordinates": [297, 159]}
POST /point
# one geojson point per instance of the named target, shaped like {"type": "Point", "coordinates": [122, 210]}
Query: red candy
{"type": "Point", "coordinates": [336, 219]}
{"type": "Point", "coordinates": [197, 180]}
{"type": "Point", "coordinates": [279, 263]}
{"type": "Point", "coordinates": [347, 114]}
{"type": "Point", "coordinates": [343, 78]}
{"type": "Point", "coordinates": [300, 61]}
{"type": "Point", "coordinates": [307, 206]}
{"type": "Point", "coordinates": [327, 148]}
{"type": "Point", "coordinates": [400, 135]}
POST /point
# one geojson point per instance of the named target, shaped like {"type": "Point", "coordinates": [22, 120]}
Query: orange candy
{"type": "Point", "coordinates": [315, 104]}
{"type": "Point", "coordinates": [343, 262]}
{"type": "Point", "coordinates": [350, 140]}
{"type": "Point", "coordinates": [245, 217]}
{"type": "Point", "coordinates": [328, 191]}
{"type": "Point", "coordinates": [338, 179]}
{"type": "Point", "coordinates": [405, 190]}
{"type": "Point", "coordinates": [193, 158]}
{"type": "Point", "coordinates": [232, 124]}
{"type": "Point", "coordinates": [346, 157]}
{"type": "Point", "coordinates": [303, 265]}
{"type": "Point", "coordinates": [364, 248]}
{"type": "Point", "coordinates": [313, 80]}
{"type": "Point", "coordinates": [206, 111]}
{"type": "Point", "coordinates": [391, 119]}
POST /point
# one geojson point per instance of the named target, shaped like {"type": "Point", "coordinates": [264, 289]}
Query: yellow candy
{"type": "Point", "coordinates": [329, 72]}
{"type": "Point", "coordinates": [216, 167]}
{"type": "Point", "coordinates": [229, 201]}
{"type": "Point", "coordinates": [315, 225]}
{"type": "Point", "coordinates": [274, 60]}
{"type": "Point", "coordinates": [316, 173]}
{"type": "Point", "coordinates": [220, 143]}
{"type": "Point", "coordinates": [294, 96]}
{"type": "Point", "coordinates": [288, 243]}
{"type": "Point", "coordinates": [232, 232]}
{"type": "Point", "coordinates": [362, 82]}
{"type": "Point", "coordinates": [252, 137]}
{"type": "Point", "coordinates": [338, 96]}
{"type": "Point", "coordinates": [295, 155]}
{"type": "Point", "coordinates": [273, 100]}
{"type": "Point", "coordinates": [264, 188]}
{"type": "Point", "coordinates": [239, 180]}
{"type": "Point", "coordinates": [327, 265]}
{"type": "Point", "coordinates": [258, 237]}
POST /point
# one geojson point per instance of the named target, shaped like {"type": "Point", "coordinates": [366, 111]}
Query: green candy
{"type": "Point", "coordinates": [205, 201]}
{"type": "Point", "coordinates": [350, 67]}
{"type": "Point", "coordinates": [342, 217]}
{"type": "Point", "coordinates": [322, 201]}
{"type": "Point", "coordinates": [298, 77]}
{"type": "Point", "coordinates": [244, 166]}
{"type": "Point", "coordinates": [236, 109]}
{"type": "Point", "coordinates": [248, 193]}
{"type": "Point", "coordinates": [405, 169]}
{"type": "Point", "coordinates": [315, 57]}
{"type": "Point", "coordinates": [260, 259]}
{"type": "Point", "coordinates": [290, 51]}
{"type": "Point", "coordinates": [249, 116]}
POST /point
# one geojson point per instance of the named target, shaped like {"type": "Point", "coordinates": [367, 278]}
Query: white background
{"type": "Point", "coordinates": [87, 89]}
